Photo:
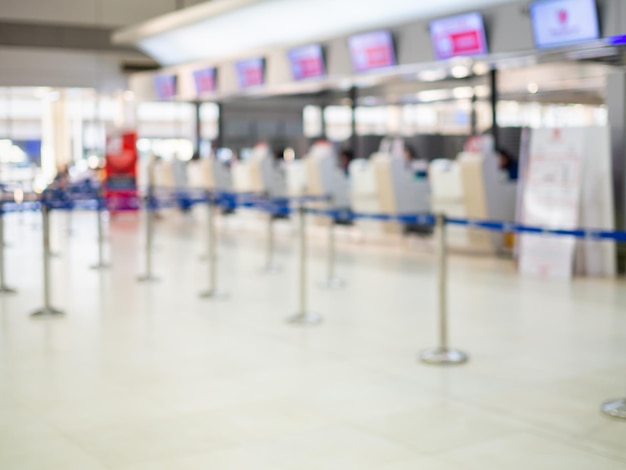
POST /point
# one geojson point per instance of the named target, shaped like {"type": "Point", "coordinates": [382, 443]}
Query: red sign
{"type": "Point", "coordinates": [121, 170]}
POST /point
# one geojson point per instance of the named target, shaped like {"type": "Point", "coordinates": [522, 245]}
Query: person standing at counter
{"type": "Point", "coordinates": [508, 163]}
{"type": "Point", "coordinates": [345, 158]}
{"type": "Point", "coordinates": [418, 167]}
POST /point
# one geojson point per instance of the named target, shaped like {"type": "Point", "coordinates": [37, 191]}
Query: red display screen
{"type": "Point", "coordinates": [165, 86]}
{"type": "Point", "coordinates": [462, 35]}
{"type": "Point", "coordinates": [250, 73]}
{"type": "Point", "coordinates": [307, 62]}
{"type": "Point", "coordinates": [372, 51]}
{"type": "Point", "coordinates": [205, 80]}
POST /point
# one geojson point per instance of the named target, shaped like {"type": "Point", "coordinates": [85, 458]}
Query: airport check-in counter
{"type": "Point", "coordinates": [473, 186]}
{"type": "Point", "coordinates": [325, 178]}
{"type": "Point", "coordinates": [296, 177]}
{"type": "Point", "coordinates": [164, 177]}
{"type": "Point", "coordinates": [264, 176]}
{"type": "Point", "coordinates": [210, 174]}
{"type": "Point", "coordinates": [385, 184]}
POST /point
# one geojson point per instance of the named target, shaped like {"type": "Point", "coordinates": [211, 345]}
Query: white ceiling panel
{"type": "Point", "coordinates": [230, 29]}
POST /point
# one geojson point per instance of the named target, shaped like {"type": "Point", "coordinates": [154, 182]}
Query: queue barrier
{"type": "Point", "coordinates": [440, 355]}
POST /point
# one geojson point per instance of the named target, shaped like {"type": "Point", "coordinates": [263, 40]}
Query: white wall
{"type": "Point", "coordinates": [23, 66]}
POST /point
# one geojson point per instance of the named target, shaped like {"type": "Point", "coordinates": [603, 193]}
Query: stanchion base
{"type": "Point", "coordinates": [98, 267]}
{"type": "Point", "coordinates": [7, 290]}
{"type": "Point", "coordinates": [214, 295]}
{"type": "Point", "coordinates": [443, 356]}
{"type": "Point", "coordinates": [616, 408]}
{"type": "Point", "coordinates": [305, 319]}
{"type": "Point", "coordinates": [270, 268]}
{"type": "Point", "coordinates": [147, 278]}
{"type": "Point", "coordinates": [332, 283]}
{"type": "Point", "coordinates": [47, 312]}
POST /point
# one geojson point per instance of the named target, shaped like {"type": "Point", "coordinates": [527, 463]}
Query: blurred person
{"type": "Point", "coordinates": [508, 163]}
{"type": "Point", "coordinates": [62, 178]}
{"type": "Point", "coordinates": [345, 158]}
{"type": "Point", "coordinates": [418, 166]}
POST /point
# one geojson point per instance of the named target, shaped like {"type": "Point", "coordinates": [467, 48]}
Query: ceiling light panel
{"type": "Point", "coordinates": [215, 32]}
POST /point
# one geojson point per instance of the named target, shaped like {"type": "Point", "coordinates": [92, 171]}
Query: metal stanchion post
{"type": "Point", "coordinates": [331, 281]}
{"type": "Point", "coordinates": [213, 292]}
{"type": "Point", "coordinates": [615, 408]}
{"type": "Point", "coordinates": [100, 212]}
{"type": "Point", "coordinates": [47, 309]}
{"type": "Point", "coordinates": [443, 355]}
{"type": "Point", "coordinates": [270, 266]}
{"type": "Point", "coordinates": [149, 225]}
{"type": "Point", "coordinates": [304, 317]}
{"type": "Point", "coordinates": [51, 252]}
{"type": "Point", "coordinates": [68, 221]}
{"type": "Point", "coordinates": [3, 287]}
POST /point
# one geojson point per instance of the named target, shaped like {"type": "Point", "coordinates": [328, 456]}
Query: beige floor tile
{"type": "Point", "coordinates": [524, 451]}
{"type": "Point", "coordinates": [150, 377]}
{"type": "Point", "coordinates": [441, 426]}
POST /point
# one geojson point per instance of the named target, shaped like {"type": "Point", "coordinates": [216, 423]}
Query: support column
{"type": "Point", "coordinates": [494, 107]}
{"type": "Point", "coordinates": [198, 128]}
{"type": "Point", "coordinates": [219, 140]}
{"type": "Point", "coordinates": [323, 122]}
{"type": "Point", "coordinates": [473, 116]}
{"type": "Point", "coordinates": [56, 139]}
{"type": "Point", "coordinates": [616, 105]}
{"type": "Point", "coordinates": [354, 138]}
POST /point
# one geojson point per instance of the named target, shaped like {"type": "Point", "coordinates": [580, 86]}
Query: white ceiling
{"type": "Point", "coordinates": [224, 30]}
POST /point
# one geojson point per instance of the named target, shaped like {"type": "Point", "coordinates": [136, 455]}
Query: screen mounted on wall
{"type": "Point", "coordinates": [307, 62]}
{"type": "Point", "coordinates": [462, 35]}
{"type": "Point", "coordinates": [165, 86]}
{"type": "Point", "coordinates": [558, 23]}
{"type": "Point", "coordinates": [205, 80]}
{"type": "Point", "coordinates": [372, 51]}
{"type": "Point", "coordinates": [250, 73]}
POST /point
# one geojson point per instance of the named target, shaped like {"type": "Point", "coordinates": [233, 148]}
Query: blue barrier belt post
{"type": "Point", "coordinates": [331, 281]}
{"type": "Point", "coordinates": [213, 292]}
{"type": "Point", "coordinates": [442, 355]}
{"type": "Point", "coordinates": [615, 408]}
{"type": "Point", "coordinates": [303, 317]}
{"type": "Point", "coordinates": [47, 309]}
{"type": "Point", "coordinates": [100, 213]}
{"type": "Point", "coordinates": [270, 266]}
{"type": "Point", "coordinates": [3, 287]}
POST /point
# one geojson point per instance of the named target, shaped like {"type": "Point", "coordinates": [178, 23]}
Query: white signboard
{"type": "Point", "coordinates": [551, 198]}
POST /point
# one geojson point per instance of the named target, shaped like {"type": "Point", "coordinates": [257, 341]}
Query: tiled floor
{"type": "Point", "coordinates": [150, 377]}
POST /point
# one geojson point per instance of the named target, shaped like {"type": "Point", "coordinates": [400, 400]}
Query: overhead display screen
{"type": "Point", "coordinates": [372, 51]}
{"type": "Point", "coordinates": [563, 22]}
{"type": "Point", "coordinates": [205, 80]}
{"type": "Point", "coordinates": [462, 35]}
{"type": "Point", "coordinates": [307, 62]}
{"type": "Point", "coordinates": [165, 86]}
{"type": "Point", "coordinates": [250, 73]}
